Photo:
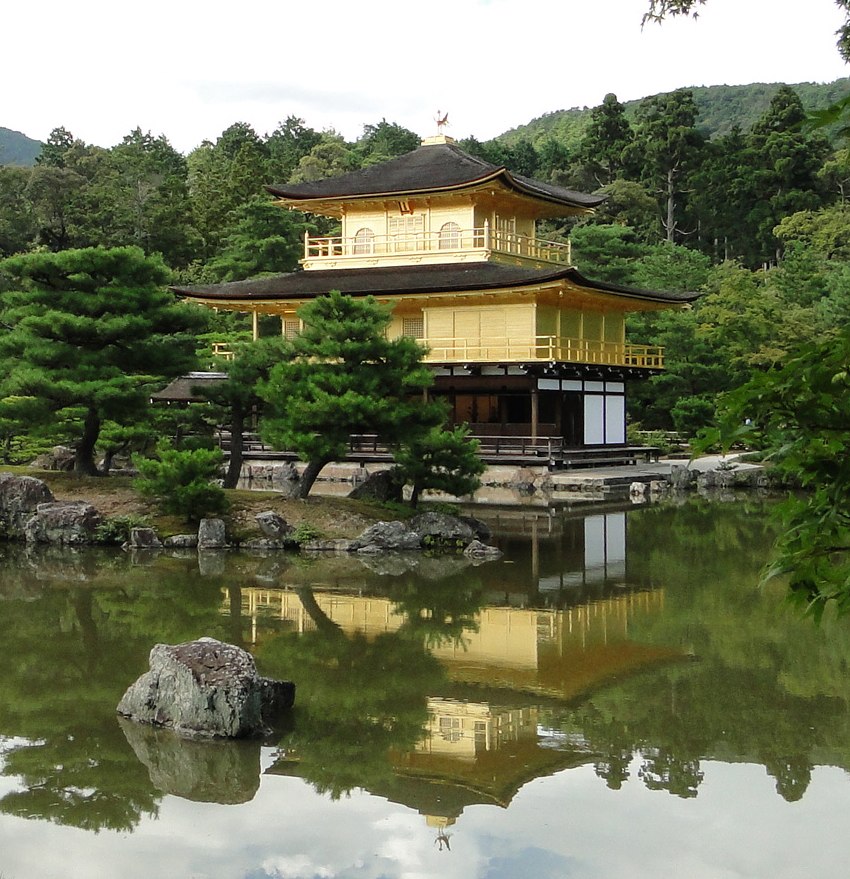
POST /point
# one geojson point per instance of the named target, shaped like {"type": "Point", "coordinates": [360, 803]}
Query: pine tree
{"type": "Point", "coordinates": [92, 329]}
{"type": "Point", "coordinates": [340, 376]}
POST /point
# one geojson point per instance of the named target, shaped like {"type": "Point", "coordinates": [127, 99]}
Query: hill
{"type": "Point", "coordinates": [721, 107]}
{"type": "Point", "coordinates": [17, 148]}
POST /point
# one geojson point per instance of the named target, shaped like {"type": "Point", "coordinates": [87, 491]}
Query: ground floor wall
{"type": "Point", "coordinates": [582, 412]}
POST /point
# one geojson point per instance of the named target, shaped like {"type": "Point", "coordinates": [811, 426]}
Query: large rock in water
{"type": "Point", "coordinates": [19, 499]}
{"type": "Point", "coordinates": [205, 688]}
{"type": "Point", "coordinates": [68, 523]}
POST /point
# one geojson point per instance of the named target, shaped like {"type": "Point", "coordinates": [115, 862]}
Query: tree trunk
{"type": "Point", "coordinates": [414, 494]}
{"type": "Point", "coordinates": [308, 477]}
{"type": "Point", "coordinates": [671, 206]}
{"type": "Point", "coordinates": [320, 619]}
{"type": "Point", "coordinates": [84, 452]}
{"type": "Point", "coordinates": [234, 466]}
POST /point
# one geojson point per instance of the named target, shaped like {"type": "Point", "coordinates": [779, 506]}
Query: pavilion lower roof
{"type": "Point", "coordinates": [412, 281]}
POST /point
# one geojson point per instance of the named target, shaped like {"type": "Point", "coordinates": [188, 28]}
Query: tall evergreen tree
{"type": "Point", "coordinates": [91, 330]}
{"type": "Point", "coordinates": [340, 376]}
{"type": "Point", "coordinates": [605, 146]}
{"type": "Point", "coordinates": [667, 146]}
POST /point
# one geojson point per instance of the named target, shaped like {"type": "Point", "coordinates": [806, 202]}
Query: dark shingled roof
{"type": "Point", "coordinates": [399, 280]}
{"type": "Point", "coordinates": [430, 168]}
{"type": "Point", "coordinates": [188, 388]}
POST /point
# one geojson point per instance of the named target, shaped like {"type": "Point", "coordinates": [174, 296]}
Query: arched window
{"type": "Point", "coordinates": [364, 240]}
{"type": "Point", "coordinates": [449, 236]}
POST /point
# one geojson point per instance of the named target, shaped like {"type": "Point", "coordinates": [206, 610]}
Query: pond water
{"type": "Point", "coordinates": [615, 697]}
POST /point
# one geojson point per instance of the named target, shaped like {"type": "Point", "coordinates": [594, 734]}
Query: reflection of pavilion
{"type": "Point", "coordinates": [557, 654]}
{"type": "Point", "coordinates": [483, 740]}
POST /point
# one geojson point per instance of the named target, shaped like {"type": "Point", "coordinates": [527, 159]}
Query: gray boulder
{"type": "Point", "coordinates": [385, 485]}
{"type": "Point", "coordinates": [386, 537]}
{"type": "Point", "coordinates": [144, 538]}
{"type": "Point", "coordinates": [205, 688]}
{"type": "Point", "coordinates": [478, 550]}
{"type": "Point", "coordinates": [181, 541]}
{"type": "Point", "coordinates": [273, 525]}
{"type": "Point", "coordinates": [68, 523]}
{"type": "Point", "coordinates": [19, 499]}
{"type": "Point", "coordinates": [58, 458]}
{"type": "Point", "coordinates": [211, 534]}
{"type": "Point", "coordinates": [441, 530]}
{"type": "Point", "coordinates": [334, 546]}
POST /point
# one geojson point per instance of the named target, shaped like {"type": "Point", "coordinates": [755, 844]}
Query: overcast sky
{"type": "Point", "coordinates": [188, 69]}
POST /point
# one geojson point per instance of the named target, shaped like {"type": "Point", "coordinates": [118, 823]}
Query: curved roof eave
{"type": "Point", "coordinates": [414, 281]}
{"type": "Point", "coordinates": [424, 171]}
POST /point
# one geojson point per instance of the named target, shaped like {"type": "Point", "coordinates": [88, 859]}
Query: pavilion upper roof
{"type": "Point", "coordinates": [431, 168]}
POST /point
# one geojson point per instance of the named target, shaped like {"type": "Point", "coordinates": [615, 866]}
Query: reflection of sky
{"type": "Point", "coordinates": [568, 825]}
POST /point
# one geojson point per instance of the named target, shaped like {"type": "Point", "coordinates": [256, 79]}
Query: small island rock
{"type": "Point", "coordinates": [205, 688]}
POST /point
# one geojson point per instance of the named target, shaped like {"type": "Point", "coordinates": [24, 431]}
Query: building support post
{"type": "Point", "coordinates": [255, 325]}
{"type": "Point", "coordinates": [535, 412]}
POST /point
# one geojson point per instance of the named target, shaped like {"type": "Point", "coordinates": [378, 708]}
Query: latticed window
{"type": "Point", "coordinates": [291, 327]}
{"type": "Point", "coordinates": [449, 236]}
{"type": "Point", "coordinates": [450, 729]}
{"type": "Point", "coordinates": [364, 240]}
{"type": "Point", "coordinates": [407, 232]}
{"type": "Point", "coordinates": [413, 327]}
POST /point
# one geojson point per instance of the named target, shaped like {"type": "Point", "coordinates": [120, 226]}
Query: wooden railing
{"type": "Point", "coordinates": [553, 349]}
{"type": "Point", "coordinates": [552, 451]}
{"type": "Point", "coordinates": [546, 349]}
{"type": "Point", "coordinates": [483, 240]}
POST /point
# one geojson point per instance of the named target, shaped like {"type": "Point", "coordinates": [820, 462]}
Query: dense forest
{"type": "Point", "coordinates": [755, 218]}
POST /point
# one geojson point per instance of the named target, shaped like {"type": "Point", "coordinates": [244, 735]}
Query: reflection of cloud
{"type": "Point", "coordinates": [296, 867]}
{"type": "Point", "coordinates": [535, 862]}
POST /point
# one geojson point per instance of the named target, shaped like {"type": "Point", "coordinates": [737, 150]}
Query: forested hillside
{"type": "Point", "coordinates": [17, 148]}
{"type": "Point", "coordinates": [756, 218]}
{"type": "Point", "coordinates": [720, 109]}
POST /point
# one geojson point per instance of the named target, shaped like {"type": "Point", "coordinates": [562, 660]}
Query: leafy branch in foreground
{"type": "Point", "coordinates": [800, 412]}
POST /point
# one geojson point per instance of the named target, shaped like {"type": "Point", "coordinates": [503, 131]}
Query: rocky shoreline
{"type": "Point", "coordinates": [29, 513]}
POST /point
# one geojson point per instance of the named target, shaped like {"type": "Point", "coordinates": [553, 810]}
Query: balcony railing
{"type": "Point", "coordinates": [482, 242]}
{"type": "Point", "coordinates": [545, 349]}
{"type": "Point", "coordinates": [553, 349]}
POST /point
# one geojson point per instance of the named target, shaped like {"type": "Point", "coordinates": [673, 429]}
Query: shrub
{"type": "Point", "coordinates": [115, 530]}
{"type": "Point", "coordinates": [180, 482]}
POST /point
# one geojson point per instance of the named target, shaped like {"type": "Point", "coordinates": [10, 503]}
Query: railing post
{"type": "Point", "coordinates": [486, 234]}
{"type": "Point", "coordinates": [306, 244]}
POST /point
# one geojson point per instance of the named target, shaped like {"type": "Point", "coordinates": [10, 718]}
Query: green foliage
{"type": "Point", "coordinates": [798, 411]}
{"type": "Point", "coordinates": [305, 532]}
{"type": "Point", "coordinates": [440, 460]}
{"type": "Point", "coordinates": [263, 238]}
{"type": "Point", "coordinates": [342, 376]}
{"type": "Point", "coordinates": [92, 329]}
{"type": "Point", "coordinates": [115, 530]}
{"type": "Point", "coordinates": [180, 482]}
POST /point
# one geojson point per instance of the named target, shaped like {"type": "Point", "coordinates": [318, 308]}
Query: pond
{"type": "Point", "coordinates": [614, 697]}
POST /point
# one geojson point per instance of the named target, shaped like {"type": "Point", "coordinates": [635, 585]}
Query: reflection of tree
{"type": "Point", "coordinates": [765, 685]}
{"type": "Point", "coordinates": [438, 611]}
{"type": "Point", "coordinates": [358, 698]}
{"type": "Point", "coordinates": [71, 655]}
{"type": "Point", "coordinates": [664, 770]}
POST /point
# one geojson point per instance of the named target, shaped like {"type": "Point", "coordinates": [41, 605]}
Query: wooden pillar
{"type": "Point", "coordinates": [255, 325]}
{"type": "Point", "coordinates": [535, 411]}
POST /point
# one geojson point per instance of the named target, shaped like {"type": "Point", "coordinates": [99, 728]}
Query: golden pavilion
{"type": "Point", "coordinates": [521, 344]}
